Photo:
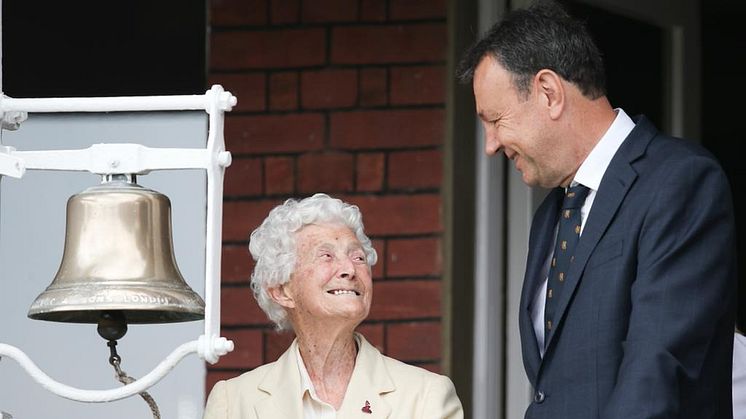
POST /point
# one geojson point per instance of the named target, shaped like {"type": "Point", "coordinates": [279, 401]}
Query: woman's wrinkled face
{"type": "Point", "coordinates": [332, 278]}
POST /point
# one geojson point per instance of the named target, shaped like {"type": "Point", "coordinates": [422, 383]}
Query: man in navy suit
{"type": "Point", "coordinates": [639, 322]}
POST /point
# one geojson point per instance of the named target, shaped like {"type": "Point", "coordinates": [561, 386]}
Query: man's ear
{"type": "Point", "coordinates": [550, 91]}
{"type": "Point", "coordinates": [282, 295]}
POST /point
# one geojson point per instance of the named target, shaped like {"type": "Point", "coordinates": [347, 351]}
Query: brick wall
{"type": "Point", "coordinates": [344, 97]}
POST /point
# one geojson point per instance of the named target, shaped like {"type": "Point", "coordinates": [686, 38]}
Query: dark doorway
{"type": "Point", "coordinates": [722, 124]}
{"type": "Point", "coordinates": [100, 48]}
{"type": "Point", "coordinates": [634, 76]}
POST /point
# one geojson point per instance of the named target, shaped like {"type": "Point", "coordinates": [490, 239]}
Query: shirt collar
{"type": "Point", "coordinates": [594, 166]}
{"type": "Point", "coordinates": [305, 380]}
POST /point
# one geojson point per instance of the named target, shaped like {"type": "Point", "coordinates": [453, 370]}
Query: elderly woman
{"type": "Point", "coordinates": [313, 275]}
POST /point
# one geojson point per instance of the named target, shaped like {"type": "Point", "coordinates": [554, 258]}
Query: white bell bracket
{"type": "Point", "coordinates": [105, 159]}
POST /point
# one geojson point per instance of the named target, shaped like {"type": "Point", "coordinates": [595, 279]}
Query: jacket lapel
{"type": "Point", "coordinates": [540, 244]}
{"type": "Point", "coordinates": [282, 383]}
{"type": "Point", "coordinates": [616, 182]}
{"type": "Point", "coordinates": [369, 383]}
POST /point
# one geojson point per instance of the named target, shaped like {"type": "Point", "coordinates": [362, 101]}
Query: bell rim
{"type": "Point", "coordinates": [166, 304]}
{"type": "Point", "coordinates": [132, 316]}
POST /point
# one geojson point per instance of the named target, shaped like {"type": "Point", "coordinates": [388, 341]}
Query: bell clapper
{"type": "Point", "coordinates": [112, 326]}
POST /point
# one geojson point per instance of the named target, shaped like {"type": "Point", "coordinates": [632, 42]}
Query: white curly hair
{"type": "Point", "coordinates": [273, 246]}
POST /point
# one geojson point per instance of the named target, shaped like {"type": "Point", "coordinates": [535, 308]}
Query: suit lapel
{"type": "Point", "coordinates": [369, 383]}
{"type": "Point", "coordinates": [616, 182]}
{"type": "Point", "coordinates": [282, 383]}
{"type": "Point", "coordinates": [540, 244]}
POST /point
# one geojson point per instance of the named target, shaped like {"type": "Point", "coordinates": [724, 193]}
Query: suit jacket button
{"type": "Point", "coordinates": [539, 397]}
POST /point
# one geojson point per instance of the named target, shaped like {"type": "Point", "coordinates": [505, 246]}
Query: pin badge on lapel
{"type": "Point", "coordinates": [366, 408]}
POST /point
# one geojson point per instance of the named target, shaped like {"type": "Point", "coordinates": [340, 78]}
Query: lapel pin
{"type": "Point", "coordinates": [366, 408]}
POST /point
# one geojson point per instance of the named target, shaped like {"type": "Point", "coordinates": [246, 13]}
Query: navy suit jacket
{"type": "Point", "coordinates": [645, 321]}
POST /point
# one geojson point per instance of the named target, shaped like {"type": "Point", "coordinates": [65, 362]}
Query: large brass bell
{"type": "Point", "coordinates": [118, 261]}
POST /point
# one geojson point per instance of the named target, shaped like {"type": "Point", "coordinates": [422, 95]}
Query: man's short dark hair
{"type": "Point", "coordinates": [544, 36]}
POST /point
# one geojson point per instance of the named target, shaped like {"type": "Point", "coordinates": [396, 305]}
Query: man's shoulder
{"type": "Point", "coordinates": [660, 143]}
{"type": "Point", "coordinates": [660, 155]}
{"type": "Point", "coordinates": [666, 145]}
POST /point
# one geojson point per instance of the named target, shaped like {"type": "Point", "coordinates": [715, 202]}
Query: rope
{"type": "Point", "coordinates": [115, 360]}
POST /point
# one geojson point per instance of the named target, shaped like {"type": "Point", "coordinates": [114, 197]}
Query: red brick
{"type": "Point", "coordinates": [215, 376]}
{"type": "Point", "coordinates": [373, 10]}
{"type": "Point", "coordinates": [328, 89]}
{"type": "Point", "coordinates": [243, 178]}
{"type": "Point", "coordinates": [415, 169]}
{"type": "Point", "coordinates": [396, 300]}
{"type": "Point", "coordinates": [247, 352]}
{"type": "Point", "coordinates": [267, 49]}
{"type": "Point", "coordinates": [418, 85]}
{"type": "Point", "coordinates": [401, 128]}
{"type": "Point", "coordinates": [329, 10]}
{"type": "Point", "coordinates": [238, 12]}
{"type": "Point", "coordinates": [249, 89]}
{"type": "Point", "coordinates": [370, 171]}
{"type": "Point", "coordinates": [285, 11]}
{"type": "Point", "coordinates": [413, 257]}
{"type": "Point", "coordinates": [241, 218]}
{"type": "Point", "coordinates": [373, 87]}
{"type": "Point", "coordinates": [328, 172]}
{"type": "Point", "coordinates": [378, 268]}
{"type": "Point", "coordinates": [400, 214]}
{"type": "Point", "coordinates": [239, 308]}
{"type": "Point", "coordinates": [283, 91]}
{"type": "Point", "coordinates": [388, 44]}
{"type": "Point", "coordinates": [373, 334]}
{"type": "Point", "coordinates": [280, 175]}
{"type": "Point", "coordinates": [236, 264]}
{"type": "Point", "coordinates": [416, 341]}
{"type": "Point", "coordinates": [274, 133]}
{"type": "Point", "coordinates": [277, 343]}
{"type": "Point", "coordinates": [417, 9]}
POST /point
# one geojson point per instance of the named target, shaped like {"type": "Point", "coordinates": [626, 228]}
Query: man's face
{"type": "Point", "coordinates": [332, 279]}
{"type": "Point", "coordinates": [514, 124]}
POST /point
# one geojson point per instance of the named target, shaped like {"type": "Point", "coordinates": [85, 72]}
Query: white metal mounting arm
{"type": "Point", "coordinates": [216, 95]}
{"type": "Point", "coordinates": [98, 396]}
{"type": "Point", "coordinates": [133, 159]}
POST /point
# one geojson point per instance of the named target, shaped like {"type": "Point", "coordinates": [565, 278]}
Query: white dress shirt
{"type": "Point", "coordinates": [589, 174]}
